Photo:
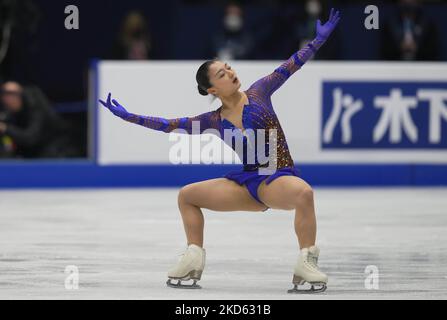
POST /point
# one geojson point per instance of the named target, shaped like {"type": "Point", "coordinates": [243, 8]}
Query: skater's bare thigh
{"type": "Point", "coordinates": [283, 192]}
{"type": "Point", "coordinates": [220, 194]}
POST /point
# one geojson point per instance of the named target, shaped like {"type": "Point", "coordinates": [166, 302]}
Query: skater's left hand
{"type": "Point", "coordinates": [323, 31]}
{"type": "Point", "coordinates": [117, 109]}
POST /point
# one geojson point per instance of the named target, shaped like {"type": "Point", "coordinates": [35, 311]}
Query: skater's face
{"type": "Point", "coordinates": [223, 79]}
{"type": "Point", "coordinates": [11, 96]}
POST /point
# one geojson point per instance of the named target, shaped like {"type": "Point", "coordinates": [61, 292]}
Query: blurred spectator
{"type": "Point", "coordinates": [409, 35]}
{"type": "Point", "coordinates": [29, 128]}
{"type": "Point", "coordinates": [300, 28]}
{"type": "Point", "coordinates": [134, 40]}
{"type": "Point", "coordinates": [234, 42]}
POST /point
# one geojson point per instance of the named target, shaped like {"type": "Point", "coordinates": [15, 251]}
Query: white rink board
{"type": "Point", "coordinates": [168, 89]}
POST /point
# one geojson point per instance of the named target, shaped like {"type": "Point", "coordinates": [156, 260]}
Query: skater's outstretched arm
{"type": "Point", "coordinates": [204, 120]}
{"type": "Point", "coordinates": [270, 83]}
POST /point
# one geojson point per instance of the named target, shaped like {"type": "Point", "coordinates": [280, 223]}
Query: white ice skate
{"type": "Point", "coordinates": [306, 271]}
{"type": "Point", "coordinates": [189, 267]}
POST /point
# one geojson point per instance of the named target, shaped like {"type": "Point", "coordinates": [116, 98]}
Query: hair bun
{"type": "Point", "coordinates": [201, 91]}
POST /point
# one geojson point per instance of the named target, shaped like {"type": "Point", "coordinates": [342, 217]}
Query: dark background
{"type": "Point", "coordinates": [58, 59]}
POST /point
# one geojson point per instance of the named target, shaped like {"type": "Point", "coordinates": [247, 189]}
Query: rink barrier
{"type": "Point", "coordinates": [87, 174]}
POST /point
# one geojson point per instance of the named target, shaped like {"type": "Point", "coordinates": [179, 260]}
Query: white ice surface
{"type": "Point", "coordinates": [123, 241]}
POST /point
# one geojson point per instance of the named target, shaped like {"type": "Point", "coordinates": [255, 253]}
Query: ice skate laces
{"type": "Point", "coordinates": [311, 261]}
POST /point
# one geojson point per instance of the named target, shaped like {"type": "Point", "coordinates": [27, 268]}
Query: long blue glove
{"type": "Point", "coordinates": [270, 83]}
{"type": "Point", "coordinates": [117, 109]}
{"type": "Point", "coordinates": [206, 120]}
{"type": "Point", "coordinates": [323, 31]}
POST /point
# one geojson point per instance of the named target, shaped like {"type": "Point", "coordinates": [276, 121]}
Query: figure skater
{"type": "Point", "coordinates": [247, 189]}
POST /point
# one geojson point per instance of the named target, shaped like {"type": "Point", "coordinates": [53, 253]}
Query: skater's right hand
{"type": "Point", "coordinates": [117, 109]}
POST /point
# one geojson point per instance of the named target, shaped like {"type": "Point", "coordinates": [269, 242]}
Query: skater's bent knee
{"type": "Point", "coordinates": [182, 196]}
{"type": "Point", "coordinates": [304, 194]}
{"type": "Point", "coordinates": [307, 192]}
{"type": "Point", "coordinates": [185, 195]}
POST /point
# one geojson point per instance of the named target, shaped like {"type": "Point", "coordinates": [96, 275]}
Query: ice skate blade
{"type": "Point", "coordinates": [179, 284]}
{"type": "Point", "coordinates": [311, 290]}
{"type": "Point", "coordinates": [193, 275]}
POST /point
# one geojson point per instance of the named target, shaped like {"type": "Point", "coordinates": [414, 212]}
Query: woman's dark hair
{"type": "Point", "coordinates": [202, 78]}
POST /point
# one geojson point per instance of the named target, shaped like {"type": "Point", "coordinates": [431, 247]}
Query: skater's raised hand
{"type": "Point", "coordinates": [117, 109]}
{"type": "Point", "coordinates": [323, 31]}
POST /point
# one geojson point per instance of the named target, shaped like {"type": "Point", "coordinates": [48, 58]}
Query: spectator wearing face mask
{"type": "Point", "coordinates": [409, 35]}
{"type": "Point", "coordinates": [134, 41]}
{"type": "Point", "coordinates": [234, 42]}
